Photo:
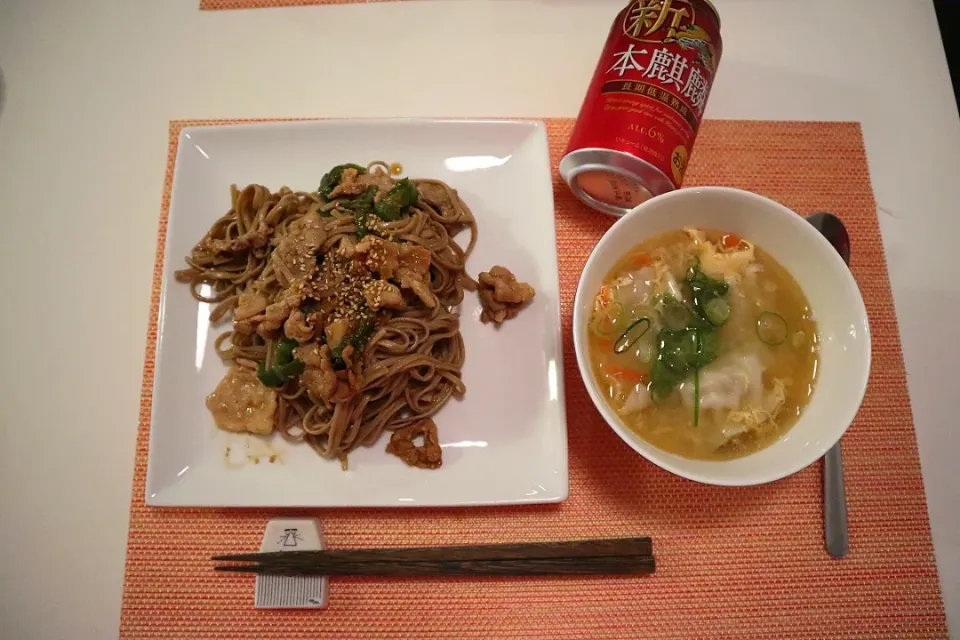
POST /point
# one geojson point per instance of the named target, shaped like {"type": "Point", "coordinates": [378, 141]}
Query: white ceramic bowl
{"type": "Point", "coordinates": [844, 364]}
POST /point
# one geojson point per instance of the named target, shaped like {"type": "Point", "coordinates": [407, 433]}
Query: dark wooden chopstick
{"type": "Point", "coordinates": [603, 565]}
{"type": "Point", "coordinates": [526, 550]}
{"type": "Point", "coordinates": [581, 557]}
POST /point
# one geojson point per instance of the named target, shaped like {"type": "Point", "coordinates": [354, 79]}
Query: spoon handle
{"type": "Point", "coordinates": [835, 504]}
{"type": "Point", "coordinates": [834, 493]}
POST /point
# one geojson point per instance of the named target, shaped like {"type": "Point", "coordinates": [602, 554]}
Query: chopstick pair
{"type": "Point", "coordinates": [616, 556]}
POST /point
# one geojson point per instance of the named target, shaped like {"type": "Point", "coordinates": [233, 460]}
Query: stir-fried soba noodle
{"type": "Point", "coordinates": [343, 305]}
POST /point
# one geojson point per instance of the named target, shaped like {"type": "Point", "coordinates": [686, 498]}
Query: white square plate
{"type": "Point", "coordinates": [505, 442]}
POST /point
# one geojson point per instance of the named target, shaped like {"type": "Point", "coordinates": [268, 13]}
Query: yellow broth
{"type": "Point", "coordinates": [754, 390]}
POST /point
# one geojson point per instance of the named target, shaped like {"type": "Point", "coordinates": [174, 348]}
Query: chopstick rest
{"type": "Point", "coordinates": [292, 592]}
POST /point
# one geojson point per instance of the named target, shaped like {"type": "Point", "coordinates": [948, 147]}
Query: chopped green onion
{"type": "Point", "coordinates": [284, 353]}
{"type": "Point", "coordinates": [705, 291]}
{"type": "Point", "coordinates": [606, 320]}
{"type": "Point", "coordinates": [696, 379]}
{"type": "Point", "coordinates": [284, 366]}
{"type": "Point", "coordinates": [690, 340]}
{"type": "Point", "coordinates": [771, 328]}
{"type": "Point", "coordinates": [629, 337]}
{"type": "Point", "coordinates": [717, 311]}
{"type": "Point", "coordinates": [291, 369]}
{"type": "Point", "coordinates": [269, 377]}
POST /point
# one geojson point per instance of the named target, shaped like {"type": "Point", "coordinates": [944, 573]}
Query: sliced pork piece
{"type": "Point", "coordinates": [298, 326]}
{"type": "Point", "coordinates": [276, 314]}
{"type": "Point", "coordinates": [319, 377]}
{"type": "Point", "coordinates": [380, 293]}
{"type": "Point", "coordinates": [501, 295]}
{"type": "Point", "coordinates": [378, 255]}
{"type": "Point", "coordinates": [249, 305]}
{"type": "Point", "coordinates": [414, 273]}
{"type": "Point", "coordinates": [295, 256]}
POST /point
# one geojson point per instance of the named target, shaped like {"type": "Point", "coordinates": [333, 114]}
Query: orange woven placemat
{"type": "Point", "coordinates": [732, 562]}
{"type": "Point", "coordinates": [214, 5]}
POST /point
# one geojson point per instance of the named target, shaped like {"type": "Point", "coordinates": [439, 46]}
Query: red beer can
{"type": "Point", "coordinates": [639, 120]}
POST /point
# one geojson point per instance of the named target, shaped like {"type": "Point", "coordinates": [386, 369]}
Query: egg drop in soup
{"type": "Point", "coordinates": [703, 344]}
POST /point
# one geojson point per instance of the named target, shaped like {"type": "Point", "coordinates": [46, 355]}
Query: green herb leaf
{"type": "Point", "coordinates": [708, 347]}
{"type": "Point", "coordinates": [362, 209]}
{"type": "Point", "coordinates": [662, 381]}
{"type": "Point", "coordinates": [678, 349]}
{"type": "Point", "coordinates": [391, 206]}
{"type": "Point", "coordinates": [360, 220]}
{"type": "Point", "coordinates": [363, 333]}
{"type": "Point", "coordinates": [362, 203]}
{"type": "Point", "coordinates": [357, 338]}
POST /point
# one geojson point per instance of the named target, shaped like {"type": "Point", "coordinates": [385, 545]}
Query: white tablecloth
{"type": "Point", "coordinates": [90, 85]}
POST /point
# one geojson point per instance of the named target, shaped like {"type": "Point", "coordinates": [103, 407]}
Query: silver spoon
{"type": "Point", "coordinates": [834, 492]}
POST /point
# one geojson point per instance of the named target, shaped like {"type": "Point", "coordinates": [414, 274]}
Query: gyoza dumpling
{"type": "Point", "coordinates": [728, 383]}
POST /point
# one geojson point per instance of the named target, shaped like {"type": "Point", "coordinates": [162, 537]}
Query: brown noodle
{"type": "Point", "coordinates": [411, 364]}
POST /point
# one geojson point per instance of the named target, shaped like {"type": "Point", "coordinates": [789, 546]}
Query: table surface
{"type": "Point", "coordinates": [88, 90]}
